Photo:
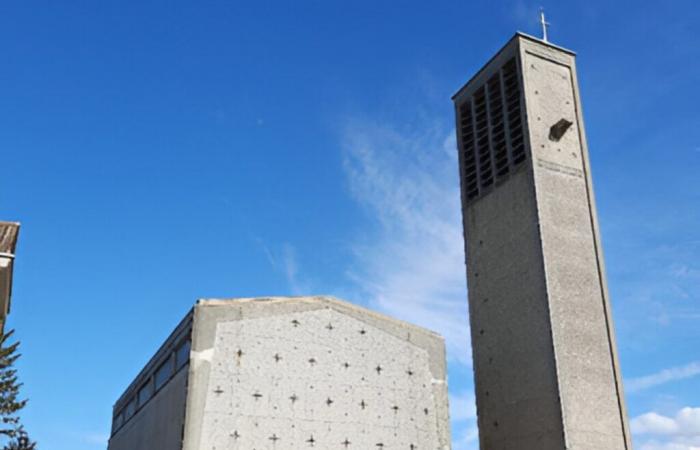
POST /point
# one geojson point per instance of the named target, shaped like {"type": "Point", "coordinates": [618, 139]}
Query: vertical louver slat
{"type": "Point", "coordinates": [513, 104]}
{"type": "Point", "coordinates": [498, 133]}
{"type": "Point", "coordinates": [471, 184]}
{"type": "Point", "coordinates": [491, 130]}
{"type": "Point", "coordinates": [482, 139]}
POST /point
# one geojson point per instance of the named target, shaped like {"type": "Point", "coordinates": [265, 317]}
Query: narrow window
{"type": "Point", "coordinates": [117, 422]}
{"type": "Point", "coordinates": [130, 409]}
{"type": "Point", "coordinates": [163, 373]}
{"type": "Point", "coordinates": [182, 355]}
{"type": "Point", "coordinates": [145, 393]}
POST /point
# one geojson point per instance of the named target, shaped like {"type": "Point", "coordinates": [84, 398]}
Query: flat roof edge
{"type": "Point", "coordinates": [518, 34]}
{"type": "Point", "coordinates": [543, 42]}
{"type": "Point", "coordinates": [169, 340]}
{"type": "Point", "coordinates": [324, 298]}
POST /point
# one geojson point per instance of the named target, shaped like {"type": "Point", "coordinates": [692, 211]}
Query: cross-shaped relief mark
{"type": "Point", "coordinates": [294, 398]}
{"type": "Point", "coordinates": [274, 438]}
{"type": "Point", "coordinates": [380, 445]}
{"type": "Point", "coordinates": [311, 441]}
{"type": "Point", "coordinates": [409, 372]}
{"type": "Point", "coordinates": [329, 327]}
{"type": "Point", "coordinates": [379, 369]}
{"type": "Point", "coordinates": [257, 396]}
{"type": "Point", "coordinates": [277, 357]}
{"type": "Point", "coordinates": [395, 408]}
{"type": "Point", "coordinates": [312, 361]}
{"type": "Point", "coordinates": [329, 401]}
{"type": "Point", "coordinates": [413, 447]}
{"type": "Point", "coordinates": [295, 322]}
{"type": "Point", "coordinates": [363, 404]}
{"type": "Point", "coordinates": [345, 443]}
{"type": "Point", "coordinates": [218, 391]}
{"type": "Point", "coordinates": [239, 353]}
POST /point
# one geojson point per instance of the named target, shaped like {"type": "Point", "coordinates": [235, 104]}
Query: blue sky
{"type": "Point", "coordinates": [159, 152]}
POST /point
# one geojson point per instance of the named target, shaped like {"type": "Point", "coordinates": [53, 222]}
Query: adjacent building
{"type": "Point", "coordinates": [288, 373]}
{"type": "Point", "coordinates": [546, 370]}
{"type": "Point", "coordinates": [8, 243]}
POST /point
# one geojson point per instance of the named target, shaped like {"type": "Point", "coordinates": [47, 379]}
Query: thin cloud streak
{"type": "Point", "coordinates": [412, 265]}
{"type": "Point", "coordinates": [665, 376]}
{"type": "Point", "coordinates": [462, 407]}
{"type": "Point", "coordinates": [286, 263]}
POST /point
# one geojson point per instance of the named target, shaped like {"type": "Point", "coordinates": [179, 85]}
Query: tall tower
{"type": "Point", "coordinates": [546, 370]}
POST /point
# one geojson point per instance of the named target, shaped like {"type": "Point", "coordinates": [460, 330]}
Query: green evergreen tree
{"type": "Point", "coordinates": [10, 404]}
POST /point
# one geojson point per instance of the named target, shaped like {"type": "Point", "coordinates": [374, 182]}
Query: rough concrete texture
{"type": "Point", "coordinates": [159, 424]}
{"type": "Point", "coordinates": [288, 373]}
{"type": "Point", "coordinates": [582, 333]}
{"type": "Point", "coordinates": [514, 363]}
{"type": "Point", "coordinates": [545, 361]}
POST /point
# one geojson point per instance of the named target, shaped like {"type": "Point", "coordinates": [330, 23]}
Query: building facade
{"type": "Point", "coordinates": [288, 373]}
{"type": "Point", "coordinates": [8, 242]}
{"type": "Point", "coordinates": [545, 363]}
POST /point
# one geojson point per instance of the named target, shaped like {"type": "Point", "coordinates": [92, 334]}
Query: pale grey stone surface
{"type": "Point", "coordinates": [283, 373]}
{"type": "Point", "coordinates": [546, 368]}
{"type": "Point", "coordinates": [292, 373]}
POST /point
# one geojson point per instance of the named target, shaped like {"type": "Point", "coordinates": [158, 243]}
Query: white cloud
{"type": "Point", "coordinates": [662, 377]}
{"type": "Point", "coordinates": [291, 271]}
{"type": "Point", "coordinates": [685, 271]}
{"type": "Point", "coordinates": [466, 439]}
{"type": "Point", "coordinates": [654, 423]}
{"type": "Point", "coordinates": [462, 407]}
{"type": "Point", "coordinates": [655, 445]}
{"type": "Point", "coordinates": [412, 265]}
{"type": "Point", "coordinates": [465, 434]}
{"type": "Point", "coordinates": [658, 432]}
{"type": "Point", "coordinates": [96, 438]}
{"type": "Point", "coordinates": [286, 262]}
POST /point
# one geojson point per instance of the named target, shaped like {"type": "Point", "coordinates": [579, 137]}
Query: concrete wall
{"type": "Point", "coordinates": [589, 379]}
{"type": "Point", "coordinates": [159, 424]}
{"type": "Point", "coordinates": [516, 383]}
{"type": "Point", "coordinates": [301, 372]}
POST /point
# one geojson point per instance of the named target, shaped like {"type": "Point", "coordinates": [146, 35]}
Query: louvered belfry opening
{"type": "Point", "coordinates": [492, 131]}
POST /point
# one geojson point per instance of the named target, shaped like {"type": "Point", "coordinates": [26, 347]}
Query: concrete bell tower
{"type": "Point", "coordinates": [546, 369]}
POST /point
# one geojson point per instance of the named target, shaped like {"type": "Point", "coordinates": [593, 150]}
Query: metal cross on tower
{"type": "Point", "coordinates": [544, 24]}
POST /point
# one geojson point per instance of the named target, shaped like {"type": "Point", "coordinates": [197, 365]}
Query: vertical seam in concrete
{"type": "Point", "coordinates": [461, 173]}
{"type": "Point", "coordinates": [184, 413]}
{"type": "Point", "coordinates": [475, 147]}
{"type": "Point", "coordinates": [528, 139]}
{"type": "Point", "coordinates": [506, 122]}
{"type": "Point", "coordinates": [489, 126]}
{"type": "Point", "coordinates": [549, 312]}
{"type": "Point", "coordinates": [190, 378]}
{"type": "Point", "coordinates": [598, 253]}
